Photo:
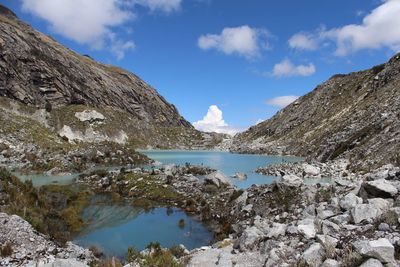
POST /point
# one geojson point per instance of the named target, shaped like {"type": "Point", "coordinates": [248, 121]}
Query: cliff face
{"type": "Point", "coordinates": [35, 69]}
{"type": "Point", "coordinates": [355, 116]}
{"type": "Point", "coordinates": [37, 72]}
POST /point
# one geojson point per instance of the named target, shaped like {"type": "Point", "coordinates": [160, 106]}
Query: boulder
{"type": "Point", "coordinates": [292, 180]}
{"type": "Point", "coordinates": [327, 241]}
{"type": "Point", "coordinates": [314, 255]}
{"type": "Point", "coordinates": [311, 170]}
{"type": "Point", "coordinates": [330, 263]}
{"type": "Point", "coordinates": [250, 238]}
{"type": "Point", "coordinates": [363, 212]}
{"type": "Point", "coordinates": [349, 201]}
{"type": "Point", "coordinates": [380, 249]}
{"type": "Point", "coordinates": [372, 263]}
{"type": "Point", "coordinates": [90, 116]}
{"type": "Point", "coordinates": [307, 228]}
{"type": "Point", "coordinates": [217, 178]}
{"type": "Point", "coordinates": [378, 188]}
{"type": "Point", "coordinates": [277, 230]}
{"type": "Point", "coordinates": [240, 176]}
{"type": "Point", "coordinates": [330, 228]}
{"type": "Point", "coordinates": [381, 204]}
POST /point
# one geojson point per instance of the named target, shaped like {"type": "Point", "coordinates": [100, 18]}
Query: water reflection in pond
{"type": "Point", "coordinates": [113, 228]}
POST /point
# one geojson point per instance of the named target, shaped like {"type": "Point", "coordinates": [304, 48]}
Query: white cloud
{"type": "Point", "coordinates": [86, 22]}
{"type": "Point", "coordinates": [118, 48]}
{"type": "Point", "coordinates": [303, 41]}
{"type": "Point", "coordinates": [379, 29]}
{"type": "Point", "coordinates": [243, 40]}
{"type": "Point", "coordinates": [282, 101]}
{"type": "Point", "coordinates": [213, 121]}
{"type": "Point", "coordinates": [167, 6]}
{"type": "Point", "coordinates": [93, 22]}
{"type": "Point", "coordinates": [287, 69]}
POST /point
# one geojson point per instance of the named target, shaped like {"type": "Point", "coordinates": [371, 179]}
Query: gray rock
{"type": "Point", "coordinates": [292, 180]}
{"type": "Point", "coordinates": [327, 241]}
{"type": "Point", "coordinates": [349, 201]}
{"type": "Point", "coordinates": [314, 255]}
{"type": "Point", "coordinates": [217, 178]}
{"type": "Point", "coordinates": [330, 228]}
{"type": "Point", "coordinates": [277, 229]}
{"type": "Point", "coordinates": [307, 228]}
{"type": "Point", "coordinates": [363, 212]}
{"type": "Point", "coordinates": [372, 263]}
{"type": "Point", "coordinates": [380, 188]}
{"type": "Point", "coordinates": [250, 238]}
{"type": "Point", "coordinates": [380, 249]}
{"type": "Point", "coordinates": [330, 263]}
{"type": "Point", "coordinates": [240, 176]}
{"type": "Point", "coordinates": [311, 170]}
{"type": "Point", "coordinates": [90, 116]}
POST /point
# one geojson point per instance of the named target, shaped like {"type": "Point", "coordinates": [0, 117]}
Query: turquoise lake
{"type": "Point", "coordinates": [114, 228]}
{"type": "Point", "coordinates": [228, 163]}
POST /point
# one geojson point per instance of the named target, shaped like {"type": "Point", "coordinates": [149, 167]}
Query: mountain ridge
{"type": "Point", "coordinates": [348, 116]}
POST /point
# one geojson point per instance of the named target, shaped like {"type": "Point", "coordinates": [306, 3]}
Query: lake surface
{"type": "Point", "coordinates": [228, 163]}
{"type": "Point", "coordinates": [113, 228]}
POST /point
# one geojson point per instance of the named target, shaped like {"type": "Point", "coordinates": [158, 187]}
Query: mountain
{"type": "Point", "coordinates": [38, 73]}
{"type": "Point", "coordinates": [354, 116]}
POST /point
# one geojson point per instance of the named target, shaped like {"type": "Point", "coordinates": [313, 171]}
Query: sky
{"type": "Point", "coordinates": [225, 64]}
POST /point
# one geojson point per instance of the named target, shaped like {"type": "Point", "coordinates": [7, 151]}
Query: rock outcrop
{"type": "Point", "coordinates": [30, 248]}
{"type": "Point", "coordinates": [90, 101]}
{"type": "Point", "coordinates": [35, 70]}
{"type": "Point", "coordinates": [354, 116]}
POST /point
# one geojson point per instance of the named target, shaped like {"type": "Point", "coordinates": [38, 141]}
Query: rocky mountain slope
{"type": "Point", "coordinates": [355, 116]}
{"type": "Point", "coordinates": [81, 99]}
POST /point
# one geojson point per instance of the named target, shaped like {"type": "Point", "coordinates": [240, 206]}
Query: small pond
{"type": "Point", "coordinates": [113, 228]}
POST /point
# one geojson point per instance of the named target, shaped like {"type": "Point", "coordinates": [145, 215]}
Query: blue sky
{"type": "Point", "coordinates": [241, 60]}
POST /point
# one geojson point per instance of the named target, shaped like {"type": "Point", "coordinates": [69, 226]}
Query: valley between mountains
{"type": "Point", "coordinates": [90, 153]}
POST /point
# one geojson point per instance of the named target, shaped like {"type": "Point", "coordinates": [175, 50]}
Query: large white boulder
{"type": "Point", "coordinates": [311, 170]}
{"type": "Point", "coordinates": [292, 180]}
{"type": "Point", "coordinates": [307, 228]}
{"type": "Point", "coordinates": [217, 178]}
{"type": "Point", "coordinates": [90, 116]}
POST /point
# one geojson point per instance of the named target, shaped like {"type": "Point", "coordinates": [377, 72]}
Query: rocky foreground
{"type": "Point", "coordinates": [27, 247]}
{"type": "Point", "coordinates": [353, 220]}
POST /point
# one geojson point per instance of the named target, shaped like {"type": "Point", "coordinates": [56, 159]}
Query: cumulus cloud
{"type": "Point", "coordinates": [167, 6]}
{"type": "Point", "coordinates": [243, 40]}
{"type": "Point", "coordinates": [303, 41]}
{"type": "Point", "coordinates": [213, 121]}
{"type": "Point", "coordinates": [379, 29]}
{"type": "Point", "coordinates": [287, 69]}
{"type": "Point", "coordinates": [282, 101]}
{"type": "Point", "coordinates": [93, 22]}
